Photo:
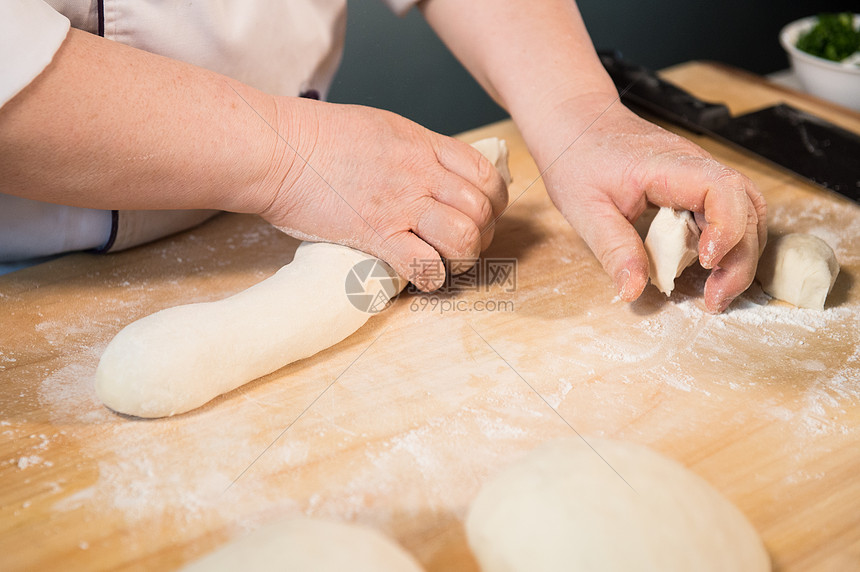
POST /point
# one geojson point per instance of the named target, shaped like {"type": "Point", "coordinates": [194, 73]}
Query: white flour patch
{"type": "Point", "coordinates": [791, 362]}
{"type": "Point", "coordinates": [180, 470]}
{"type": "Point", "coordinates": [171, 469]}
{"type": "Point", "coordinates": [554, 399]}
{"type": "Point", "coordinates": [29, 461]}
{"type": "Point", "coordinates": [423, 470]}
{"type": "Point", "coordinates": [600, 363]}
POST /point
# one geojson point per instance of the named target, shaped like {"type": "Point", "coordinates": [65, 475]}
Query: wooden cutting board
{"type": "Point", "coordinates": [398, 426]}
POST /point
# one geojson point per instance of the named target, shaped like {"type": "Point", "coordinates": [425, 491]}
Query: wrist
{"type": "Point", "coordinates": [269, 127]}
{"type": "Point", "coordinates": [564, 119]}
{"type": "Point", "coordinates": [293, 129]}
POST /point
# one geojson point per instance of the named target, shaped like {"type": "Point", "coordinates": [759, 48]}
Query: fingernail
{"type": "Point", "coordinates": [622, 278]}
{"type": "Point", "coordinates": [724, 304]}
{"type": "Point", "coordinates": [708, 259]}
{"type": "Point", "coordinates": [710, 252]}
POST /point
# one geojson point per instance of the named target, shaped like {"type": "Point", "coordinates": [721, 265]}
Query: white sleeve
{"type": "Point", "coordinates": [400, 7]}
{"type": "Point", "coordinates": [31, 32]}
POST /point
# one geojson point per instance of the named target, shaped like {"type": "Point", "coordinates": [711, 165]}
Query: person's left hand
{"type": "Point", "coordinates": [604, 169]}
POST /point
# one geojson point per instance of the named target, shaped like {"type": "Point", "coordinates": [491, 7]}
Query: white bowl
{"type": "Point", "coordinates": [835, 81]}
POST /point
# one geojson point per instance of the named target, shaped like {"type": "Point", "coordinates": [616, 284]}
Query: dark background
{"type": "Point", "coordinates": [399, 64]}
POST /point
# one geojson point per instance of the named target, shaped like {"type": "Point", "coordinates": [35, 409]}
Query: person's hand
{"type": "Point", "coordinates": [375, 181]}
{"type": "Point", "coordinates": [620, 162]}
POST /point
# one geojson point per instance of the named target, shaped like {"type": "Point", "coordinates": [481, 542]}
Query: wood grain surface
{"type": "Point", "coordinates": [399, 425]}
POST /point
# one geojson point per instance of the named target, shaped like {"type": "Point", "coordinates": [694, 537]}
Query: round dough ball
{"type": "Point", "coordinates": [562, 507]}
{"type": "Point", "coordinates": [799, 269]}
{"type": "Point", "coordinates": [309, 545]}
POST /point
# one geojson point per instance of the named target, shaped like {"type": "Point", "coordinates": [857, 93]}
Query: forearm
{"type": "Point", "coordinates": [531, 56]}
{"type": "Point", "coordinates": [109, 126]}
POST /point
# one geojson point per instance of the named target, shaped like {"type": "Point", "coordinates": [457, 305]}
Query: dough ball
{"type": "Point", "coordinates": [309, 545]}
{"type": "Point", "coordinates": [799, 269]}
{"type": "Point", "coordinates": [562, 507]}
{"type": "Point", "coordinates": [672, 245]}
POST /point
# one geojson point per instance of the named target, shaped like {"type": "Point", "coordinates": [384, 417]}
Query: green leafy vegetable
{"type": "Point", "coordinates": [832, 38]}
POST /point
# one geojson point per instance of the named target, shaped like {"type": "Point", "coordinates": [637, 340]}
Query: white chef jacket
{"type": "Point", "coordinates": [282, 47]}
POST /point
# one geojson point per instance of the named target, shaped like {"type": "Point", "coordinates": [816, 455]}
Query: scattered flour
{"type": "Point", "coordinates": [30, 461]}
{"type": "Point", "coordinates": [598, 374]}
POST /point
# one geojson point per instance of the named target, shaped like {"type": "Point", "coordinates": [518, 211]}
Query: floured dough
{"type": "Point", "coordinates": [309, 545]}
{"type": "Point", "coordinates": [177, 359]}
{"type": "Point", "coordinates": [799, 269]}
{"type": "Point", "coordinates": [562, 507]}
{"type": "Point", "coordinates": [496, 151]}
{"type": "Point", "coordinates": [672, 245]}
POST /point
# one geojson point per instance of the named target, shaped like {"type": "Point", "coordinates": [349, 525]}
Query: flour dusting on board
{"type": "Point", "coordinates": [416, 445]}
{"type": "Point", "coordinates": [184, 470]}
{"type": "Point", "coordinates": [181, 470]}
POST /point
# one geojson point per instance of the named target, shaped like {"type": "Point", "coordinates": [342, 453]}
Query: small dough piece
{"type": "Point", "coordinates": [562, 507]}
{"type": "Point", "coordinates": [496, 151]}
{"type": "Point", "coordinates": [179, 358]}
{"type": "Point", "coordinates": [799, 269]}
{"type": "Point", "coordinates": [672, 245]}
{"type": "Point", "coordinates": [309, 545]}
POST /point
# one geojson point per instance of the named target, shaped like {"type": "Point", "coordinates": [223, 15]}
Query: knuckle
{"type": "Point", "coordinates": [420, 212]}
{"type": "Point", "coordinates": [728, 179]}
{"type": "Point", "coordinates": [759, 203]}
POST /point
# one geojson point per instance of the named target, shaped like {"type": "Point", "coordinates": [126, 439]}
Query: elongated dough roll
{"type": "Point", "coordinates": [179, 358]}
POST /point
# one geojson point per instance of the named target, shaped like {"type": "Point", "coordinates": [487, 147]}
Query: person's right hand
{"type": "Point", "coordinates": [375, 181]}
{"type": "Point", "coordinates": [618, 165]}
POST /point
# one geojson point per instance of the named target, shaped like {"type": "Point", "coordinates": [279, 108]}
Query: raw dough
{"type": "Point", "coordinates": [672, 245]}
{"type": "Point", "coordinates": [177, 359]}
{"type": "Point", "coordinates": [180, 358]}
{"type": "Point", "coordinates": [309, 545]}
{"type": "Point", "coordinates": [496, 151]}
{"type": "Point", "coordinates": [562, 507]}
{"type": "Point", "coordinates": [798, 268]}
